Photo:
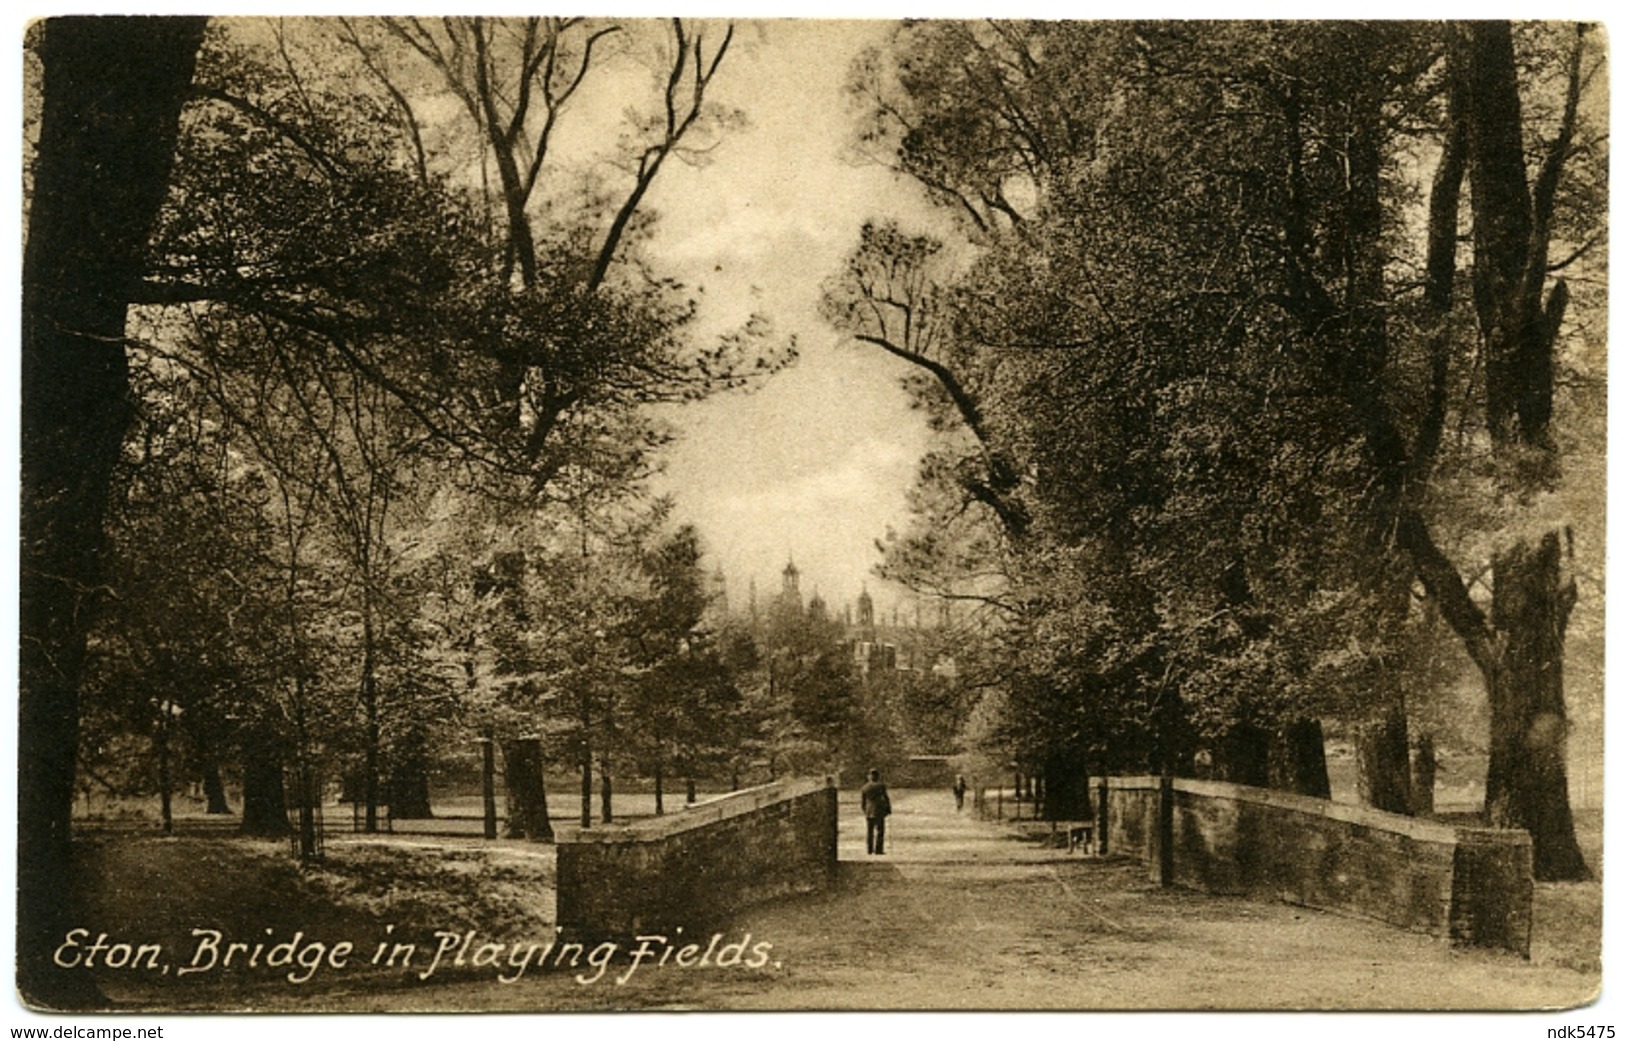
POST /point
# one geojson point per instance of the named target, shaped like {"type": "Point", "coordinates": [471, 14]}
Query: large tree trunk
{"type": "Point", "coordinates": [527, 791]}
{"type": "Point", "coordinates": [265, 799]}
{"type": "Point", "coordinates": [206, 761]}
{"type": "Point", "coordinates": [1065, 782]}
{"type": "Point", "coordinates": [1243, 755]}
{"type": "Point", "coordinates": [409, 779]}
{"type": "Point", "coordinates": [1519, 651]}
{"type": "Point", "coordinates": [113, 89]}
{"type": "Point", "coordinates": [1522, 658]}
{"type": "Point", "coordinates": [1383, 756]}
{"type": "Point", "coordinates": [1527, 783]}
{"type": "Point", "coordinates": [1298, 762]}
{"type": "Point", "coordinates": [214, 789]}
{"type": "Point", "coordinates": [1424, 769]}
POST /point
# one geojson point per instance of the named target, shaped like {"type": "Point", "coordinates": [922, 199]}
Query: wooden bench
{"type": "Point", "coordinates": [1078, 833]}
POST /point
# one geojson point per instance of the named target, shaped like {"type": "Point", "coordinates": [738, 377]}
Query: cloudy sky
{"type": "Point", "coordinates": [815, 464]}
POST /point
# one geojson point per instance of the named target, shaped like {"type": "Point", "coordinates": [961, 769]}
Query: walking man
{"type": "Point", "coordinates": [959, 793]}
{"type": "Point", "coordinates": [876, 808]}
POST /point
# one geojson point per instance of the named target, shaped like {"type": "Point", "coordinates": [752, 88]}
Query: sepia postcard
{"type": "Point", "coordinates": [529, 514]}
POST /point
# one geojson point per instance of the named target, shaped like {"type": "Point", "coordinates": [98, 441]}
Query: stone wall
{"type": "Point", "coordinates": [1474, 885]}
{"type": "Point", "coordinates": [693, 869]}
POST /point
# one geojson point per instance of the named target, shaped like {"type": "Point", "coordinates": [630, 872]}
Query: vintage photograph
{"type": "Point", "coordinates": [553, 514]}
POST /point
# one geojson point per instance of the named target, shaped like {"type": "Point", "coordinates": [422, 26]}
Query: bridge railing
{"type": "Point", "coordinates": [1473, 885]}
{"type": "Point", "coordinates": [691, 870]}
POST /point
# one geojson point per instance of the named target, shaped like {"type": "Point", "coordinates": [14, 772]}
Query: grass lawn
{"type": "Point", "coordinates": [194, 896]}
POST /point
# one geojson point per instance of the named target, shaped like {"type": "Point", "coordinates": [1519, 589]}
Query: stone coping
{"type": "Point", "coordinates": [700, 814]}
{"type": "Point", "coordinates": [1416, 828]}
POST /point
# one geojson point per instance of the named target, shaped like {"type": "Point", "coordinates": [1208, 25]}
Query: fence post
{"type": "Point", "coordinates": [832, 838]}
{"type": "Point", "coordinates": [1165, 830]}
{"type": "Point", "coordinates": [1102, 820]}
{"type": "Point", "coordinates": [488, 784]}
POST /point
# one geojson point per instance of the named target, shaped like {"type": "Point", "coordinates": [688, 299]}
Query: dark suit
{"type": "Point", "coordinates": [876, 808]}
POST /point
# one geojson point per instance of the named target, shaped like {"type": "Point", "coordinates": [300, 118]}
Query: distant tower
{"type": "Point", "coordinates": [790, 591]}
{"type": "Point", "coordinates": [816, 609]}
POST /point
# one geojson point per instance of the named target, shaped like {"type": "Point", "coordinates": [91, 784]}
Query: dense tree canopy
{"type": "Point", "coordinates": [301, 337]}
{"type": "Point", "coordinates": [1197, 349]}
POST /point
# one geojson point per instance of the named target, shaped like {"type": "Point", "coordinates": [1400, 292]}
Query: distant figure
{"type": "Point", "coordinates": [959, 793]}
{"type": "Point", "coordinates": [876, 808]}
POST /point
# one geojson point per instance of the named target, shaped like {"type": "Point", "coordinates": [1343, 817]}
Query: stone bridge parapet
{"type": "Point", "coordinates": [691, 870]}
{"type": "Point", "coordinates": [1473, 885]}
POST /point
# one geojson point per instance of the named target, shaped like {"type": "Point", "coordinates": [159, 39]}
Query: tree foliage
{"type": "Point", "coordinates": [340, 357]}
{"type": "Point", "coordinates": [1203, 329]}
